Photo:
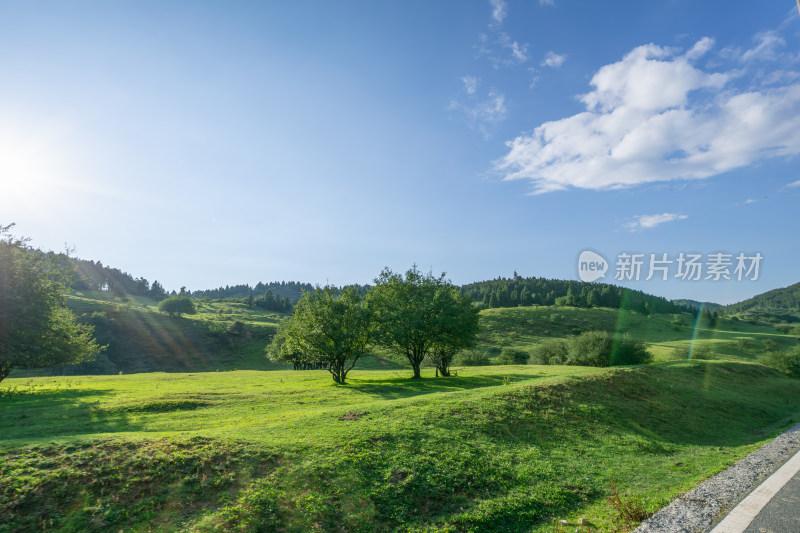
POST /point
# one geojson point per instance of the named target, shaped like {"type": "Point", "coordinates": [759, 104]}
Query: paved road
{"type": "Point", "coordinates": [782, 513]}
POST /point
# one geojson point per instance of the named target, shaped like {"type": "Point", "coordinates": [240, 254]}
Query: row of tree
{"type": "Point", "coordinates": [415, 316]}
{"type": "Point", "coordinates": [291, 290]}
{"type": "Point", "coordinates": [519, 291]}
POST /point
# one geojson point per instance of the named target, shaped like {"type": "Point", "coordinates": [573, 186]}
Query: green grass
{"type": "Point", "coordinates": [511, 448]}
{"type": "Point", "coordinates": [523, 327]}
{"type": "Point", "coordinates": [500, 448]}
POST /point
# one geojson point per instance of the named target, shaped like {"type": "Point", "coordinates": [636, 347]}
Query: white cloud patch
{"type": "Point", "coordinates": [499, 11]}
{"type": "Point", "coordinates": [766, 48]}
{"type": "Point", "coordinates": [553, 60]}
{"type": "Point", "coordinates": [700, 48]}
{"type": "Point", "coordinates": [498, 47]}
{"type": "Point", "coordinates": [650, 221]}
{"type": "Point", "coordinates": [655, 116]}
{"type": "Point", "coordinates": [481, 113]}
{"type": "Point", "coordinates": [470, 84]}
{"type": "Point", "coordinates": [519, 52]}
{"type": "Point", "coordinates": [794, 184]}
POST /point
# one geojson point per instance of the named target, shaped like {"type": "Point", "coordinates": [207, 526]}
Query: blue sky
{"type": "Point", "coordinates": [213, 143]}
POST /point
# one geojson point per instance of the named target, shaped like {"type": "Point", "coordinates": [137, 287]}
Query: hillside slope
{"type": "Point", "coordinates": [776, 305]}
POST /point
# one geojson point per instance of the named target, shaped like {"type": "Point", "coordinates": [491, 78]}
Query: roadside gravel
{"type": "Point", "coordinates": [699, 509]}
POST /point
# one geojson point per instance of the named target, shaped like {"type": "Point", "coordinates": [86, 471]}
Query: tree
{"type": "Point", "coordinates": [456, 327]}
{"type": "Point", "coordinates": [334, 331]}
{"type": "Point", "coordinates": [157, 292]}
{"type": "Point", "coordinates": [177, 305]}
{"type": "Point", "coordinates": [36, 328]}
{"type": "Point", "coordinates": [420, 315]}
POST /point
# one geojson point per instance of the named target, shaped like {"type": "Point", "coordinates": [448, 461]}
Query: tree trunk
{"type": "Point", "coordinates": [5, 370]}
{"type": "Point", "coordinates": [338, 372]}
{"type": "Point", "coordinates": [444, 371]}
{"type": "Point", "coordinates": [415, 366]}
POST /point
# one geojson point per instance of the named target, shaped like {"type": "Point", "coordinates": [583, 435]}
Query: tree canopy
{"type": "Point", "coordinates": [175, 306]}
{"type": "Point", "coordinates": [422, 315]}
{"type": "Point", "coordinates": [326, 329]}
{"type": "Point", "coordinates": [36, 328]}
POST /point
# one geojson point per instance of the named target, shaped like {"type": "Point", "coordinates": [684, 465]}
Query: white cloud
{"type": "Point", "coordinates": [470, 84]}
{"type": "Point", "coordinates": [766, 49]}
{"type": "Point", "coordinates": [519, 52]}
{"type": "Point", "coordinates": [654, 116]}
{"type": "Point", "coordinates": [482, 113]}
{"type": "Point", "coordinates": [553, 60]}
{"type": "Point", "coordinates": [650, 221]}
{"type": "Point", "coordinates": [794, 184]}
{"type": "Point", "coordinates": [500, 49]}
{"type": "Point", "coordinates": [700, 48]}
{"type": "Point", "coordinates": [499, 11]}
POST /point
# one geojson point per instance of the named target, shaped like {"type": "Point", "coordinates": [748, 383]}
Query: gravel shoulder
{"type": "Point", "coordinates": [698, 510]}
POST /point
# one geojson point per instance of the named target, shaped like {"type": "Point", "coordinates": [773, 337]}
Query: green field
{"type": "Point", "coordinates": [523, 327]}
{"type": "Point", "coordinates": [186, 431]}
{"type": "Point", "coordinates": [501, 448]}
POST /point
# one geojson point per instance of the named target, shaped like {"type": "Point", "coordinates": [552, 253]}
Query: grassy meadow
{"type": "Point", "coordinates": [500, 448]}
{"type": "Point", "coordinates": [186, 432]}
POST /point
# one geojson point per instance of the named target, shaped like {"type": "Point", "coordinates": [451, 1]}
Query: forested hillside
{"type": "Point", "coordinates": [519, 291]}
{"type": "Point", "coordinates": [778, 304]}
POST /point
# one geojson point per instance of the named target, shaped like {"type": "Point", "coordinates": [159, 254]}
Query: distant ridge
{"type": "Point", "coordinates": [694, 304]}
{"type": "Point", "coordinates": [777, 304]}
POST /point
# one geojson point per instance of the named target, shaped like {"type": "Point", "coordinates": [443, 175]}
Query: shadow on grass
{"type": "Point", "coordinates": [404, 387]}
{"type": "Point", "coordinates": [62, 412]}
{"type": "Point", "coordinates": [650, 408]}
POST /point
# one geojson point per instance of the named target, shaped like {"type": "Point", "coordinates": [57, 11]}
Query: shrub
{"type": "Point", "coordinates": [550, 352]}
{"type": "Point", "coordinates": [512, 356]}
{"type": "Point", "coordinates": [472, 358]}
{"type": "Point", "coordinates": [630, 351]}
{"type": "Point", "coordinates": [600, 348]}
{"type": "Point", "coordinates": [236, 328]}
{"type": "Point", "coordinates": [787, 361]}
{"type": "Point", "coordinates": [703, 351]}
{"type": "Point", "coordinates": [591, 348]}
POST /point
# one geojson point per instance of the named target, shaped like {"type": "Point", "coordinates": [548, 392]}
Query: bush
{"type": "Point", "coordinates": [591, 348]}
{"type": "Point", "coordinates": [630, 351]}
{"type": "Point", "coordinates": [472, 358]}
{"type": "Point", "coordinates": [703, 351]}
{"type": "Point", "coordinates": [512, 356]}
{"type": "Point", "coordinates": [600, 348]}
{"type": "Point", "coordinates": [177, 306]}
{"type": "Point", "coordinates": [550, 352]}
{"type": "Point", "coordinates": [236, 328]}
{"type": "Point", "coordinates": [787, 361]}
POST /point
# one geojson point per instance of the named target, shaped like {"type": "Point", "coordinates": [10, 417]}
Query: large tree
{"type": "Point", "coordinates": [456, 327]}
{"type": "Point", "coordinates": [326, 329]}
{"type": "Point", "coordinates": [36, 328]}
{"type": "Point", "coordinates": [419, 315]}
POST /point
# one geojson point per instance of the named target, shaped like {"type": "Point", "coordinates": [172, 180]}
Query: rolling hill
{"type": "Point", "coordinates": [777, 305]}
